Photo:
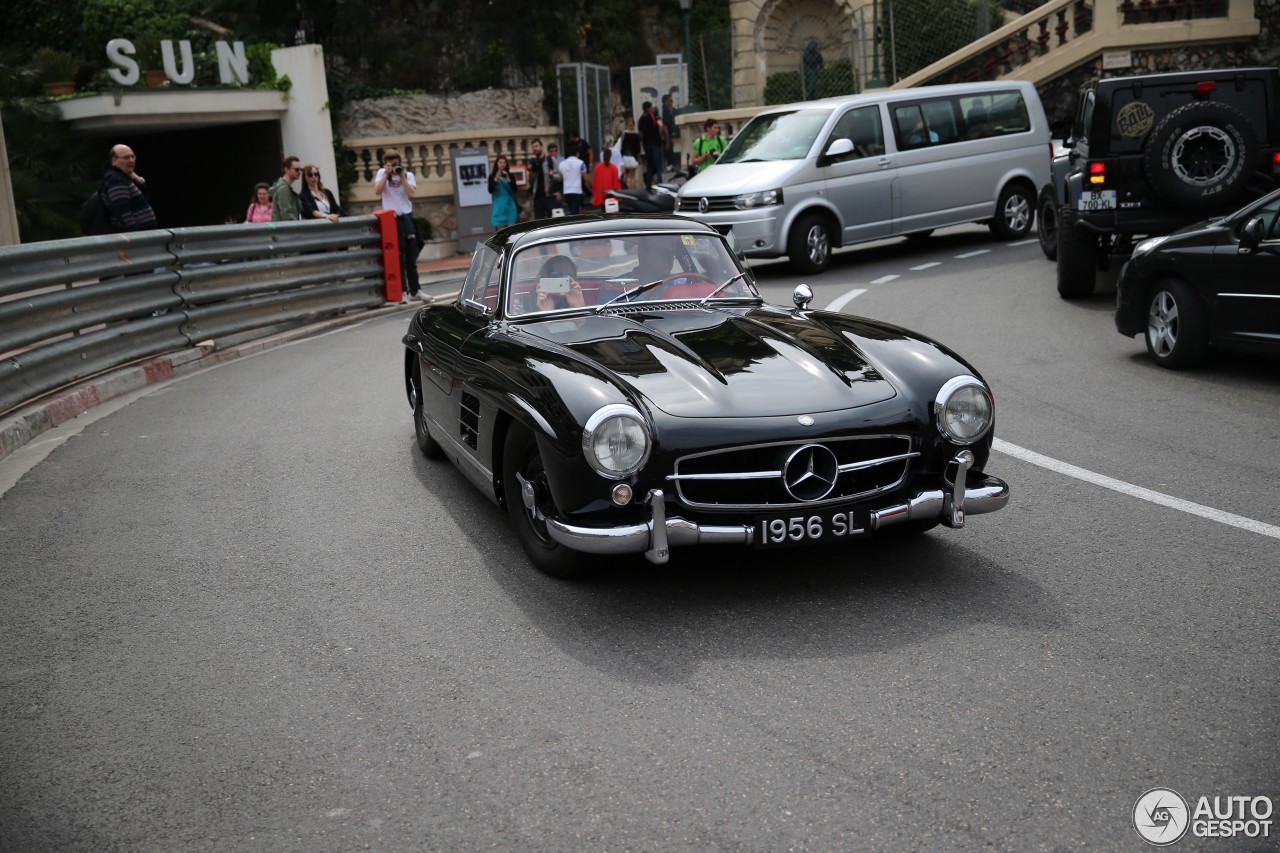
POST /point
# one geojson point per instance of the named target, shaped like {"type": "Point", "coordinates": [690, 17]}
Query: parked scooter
{"type": "Point", "coordinates": [640, 200]}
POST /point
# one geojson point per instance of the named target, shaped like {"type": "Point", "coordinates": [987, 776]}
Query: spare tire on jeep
{"type": "Point", "coordinates": [1201, 155]}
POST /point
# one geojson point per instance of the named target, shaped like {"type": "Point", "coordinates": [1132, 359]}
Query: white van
{"type": "Point", "coordinates": [802, 179]}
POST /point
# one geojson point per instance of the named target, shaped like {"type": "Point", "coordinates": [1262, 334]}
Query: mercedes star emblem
{"type": "Point", "coordinates": [810, 473]}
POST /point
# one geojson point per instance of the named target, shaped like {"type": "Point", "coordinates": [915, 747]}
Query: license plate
{"type": "Point", "coordinates": [808, 528]}
{"type": "Point", "coordinates": [1098, 200]}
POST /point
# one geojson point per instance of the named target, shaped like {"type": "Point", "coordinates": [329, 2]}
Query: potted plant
{"type": "Point", "coordinates": [148, 53]}
{"type": "Point", "coordinates": [57, 70]}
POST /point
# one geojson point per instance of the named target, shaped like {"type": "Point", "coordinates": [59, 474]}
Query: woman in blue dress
{"type": "Point", "coordinates": [503, 190]}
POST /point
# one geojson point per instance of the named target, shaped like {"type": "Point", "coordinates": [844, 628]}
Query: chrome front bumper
{"type": "Point", "coordinates": [657, 536]}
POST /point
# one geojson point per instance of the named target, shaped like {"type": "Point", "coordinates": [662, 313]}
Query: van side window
{"type": "Point", "coordinates": [908, 120]}
{"type": "Point", "coordinates": [999, 114]}
{"type": "Point", "coordinates": [862, 127]}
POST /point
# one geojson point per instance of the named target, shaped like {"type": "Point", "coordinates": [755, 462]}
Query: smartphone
{"type": "Point", "coordinates": [559, 284]}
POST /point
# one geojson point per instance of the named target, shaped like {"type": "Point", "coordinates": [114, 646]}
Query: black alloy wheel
{"type": "Point", "coordinates": [529, 504]}
{"type": "Point", "coordinates": [428, 445]}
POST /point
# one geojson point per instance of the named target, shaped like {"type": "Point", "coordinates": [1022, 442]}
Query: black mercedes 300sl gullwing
{"type": "Point", "coordinates": [619, 386]}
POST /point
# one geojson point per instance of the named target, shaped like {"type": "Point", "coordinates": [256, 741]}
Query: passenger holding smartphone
{"type": "Point", "coordinates": [557, 286]}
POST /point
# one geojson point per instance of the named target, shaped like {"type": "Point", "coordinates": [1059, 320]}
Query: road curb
{"type": "Point", "coordinates": [21, 426]}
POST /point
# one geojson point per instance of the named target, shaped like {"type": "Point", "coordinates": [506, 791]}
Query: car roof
{"type": "Point", "coordinates": [877, 96]}
{"type": "Point", "coordinates": [593, 225]}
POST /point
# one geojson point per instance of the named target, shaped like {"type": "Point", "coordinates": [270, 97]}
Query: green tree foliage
{"type": "Point", "coordinates": [48, 168]}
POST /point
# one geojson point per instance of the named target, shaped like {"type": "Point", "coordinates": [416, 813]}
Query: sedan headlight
{"type": "Point", "coordinates": [615, 441]}
{"type": "Point", "coordinates": [1148, 245]}
{"type": "Point", "coordinates": [963, 411]}
{"type": "Point", "coordinates": [747, 201]}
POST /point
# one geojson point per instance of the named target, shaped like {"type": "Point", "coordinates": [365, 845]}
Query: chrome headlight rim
{"type": "Point", "coordinates": [943, 399]}
{"type": "Point", "coordinates": [597, 420]}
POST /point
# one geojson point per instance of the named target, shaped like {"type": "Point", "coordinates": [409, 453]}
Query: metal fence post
{"type": "Point", "coordinates": [390, 254]}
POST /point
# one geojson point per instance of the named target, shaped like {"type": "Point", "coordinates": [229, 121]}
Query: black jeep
{"type": "Point", "coordinates": [1153, 153]}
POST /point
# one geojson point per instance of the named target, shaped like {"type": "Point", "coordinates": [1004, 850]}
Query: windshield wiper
{"type": "Point", "coordinates": [704, 299]}
{"type": "Point", "coordinates": [627, 293]}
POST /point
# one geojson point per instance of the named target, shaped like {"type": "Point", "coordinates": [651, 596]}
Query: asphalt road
{"type": "Point", "coordinates": [241, 612]}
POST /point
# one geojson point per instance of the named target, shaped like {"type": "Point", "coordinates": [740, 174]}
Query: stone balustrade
{"type": "Point", "coordinates": [1061, 34]}
{"type": "Point", "coordinates": [427, 156]}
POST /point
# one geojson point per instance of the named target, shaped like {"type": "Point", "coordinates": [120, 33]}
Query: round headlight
{"type": "Point", "coordinates": [963, 411]}
{"type": "Point", "coordinates": [615, 441]}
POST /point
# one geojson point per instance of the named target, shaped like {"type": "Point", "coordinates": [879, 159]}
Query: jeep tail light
{"type": "Point", "coordinates": [1097, 173]}
{"type": "Point", "coordinates": [1206, 86]}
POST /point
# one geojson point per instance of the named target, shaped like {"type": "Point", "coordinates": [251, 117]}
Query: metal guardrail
{"type": "Point", "coordinates": [70, 309]}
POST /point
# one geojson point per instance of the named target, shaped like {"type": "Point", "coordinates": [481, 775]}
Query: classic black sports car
{"type": "Point", "coordinates": [1214, 283]}
{"type": "Point", "coordinates": [618, 384]}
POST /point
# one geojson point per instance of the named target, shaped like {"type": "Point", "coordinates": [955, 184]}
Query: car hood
{"type": "Point", "coordinates": [733, 178]}
{"type": "Point", "coordinates": [724, 363]}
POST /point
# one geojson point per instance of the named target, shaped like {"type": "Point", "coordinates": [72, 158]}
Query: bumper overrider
{"type": "Point", "coordinates": [657, 536]}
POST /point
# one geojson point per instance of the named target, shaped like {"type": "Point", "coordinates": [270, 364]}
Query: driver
{"type": "Point", "coordinates": [655, 260]}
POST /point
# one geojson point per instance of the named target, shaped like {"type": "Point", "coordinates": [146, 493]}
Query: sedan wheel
{"type": "Point", "coordinates": [1177, 335]}
{"type": "Point", "coordinates": [530, 504]}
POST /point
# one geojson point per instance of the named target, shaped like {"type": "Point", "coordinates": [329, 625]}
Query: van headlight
{"type": "Point", "coordinates": [747, 201]}
{"type": "Point", "coordinates": [963, 410]}
{"type": "Point", "coordinates": [615, 441]}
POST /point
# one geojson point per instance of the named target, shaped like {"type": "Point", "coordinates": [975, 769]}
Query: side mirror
{"type": "Point", "coordinates": [840, 148]}
{"type": "Point", "coordinates": [802, 296]}
{"type": "Point", "coordinates": [1251, 235]}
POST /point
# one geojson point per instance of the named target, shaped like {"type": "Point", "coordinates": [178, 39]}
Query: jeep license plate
{"type": "Point", "coordinates": [1098, 200]}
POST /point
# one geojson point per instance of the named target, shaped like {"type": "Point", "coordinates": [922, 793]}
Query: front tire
{"type": "Point", "coordinates": [1177, 331]}
{"type": "Point", "coordinates": [523, 472]}
{"type": "Point", "coordinates": [1015, 210]}
{"type": "Point", "coordinates": [1047, 223]}
{"type": "Point", "coordinates": [1077, 257]}
{"type": "Point", "coordinates": [809, 247]}
{"type": "Point", "coordinates": [426, 444]}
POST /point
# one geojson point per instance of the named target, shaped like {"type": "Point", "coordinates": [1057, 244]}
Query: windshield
{"type": "Point", "coordinates": [573, 274]}
{"type": "Point", "coordinates": [777, 136]}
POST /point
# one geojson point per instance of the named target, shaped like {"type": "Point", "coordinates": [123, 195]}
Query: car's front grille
{"type": "Point", "coordinates": [693, 204]}
{"type": "Point", "coordinates": [792, 473]}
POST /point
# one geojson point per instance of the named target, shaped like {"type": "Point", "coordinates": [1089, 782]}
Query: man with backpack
{"type": "Point", "coordinates": [708, 146]}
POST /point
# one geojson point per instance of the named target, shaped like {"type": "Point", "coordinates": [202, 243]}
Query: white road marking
{"type": "Point", "coordinates": [926, 266]}
{"type": "Point", "coordinates": [1023, 243]}
{"type": "Point", "coordinates": [1206, 512]}
{"type": "Point", "coordinates": [972, 254]}
{"type": "Point", "coordinates": [844, 300]}
{"type": "Point", "coordinates": [885, 279]}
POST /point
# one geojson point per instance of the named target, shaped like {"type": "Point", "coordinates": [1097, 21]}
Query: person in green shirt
{"type": "Point", "coordinates": [708, 146]}
{"type": "Point", "coordinates": [285, 204]}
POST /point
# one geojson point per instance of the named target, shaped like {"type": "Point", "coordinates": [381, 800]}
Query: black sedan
{"type": "Point", "coordinates": [619, 386]}
{"type": "Point", "coordinates": [1216, 283]}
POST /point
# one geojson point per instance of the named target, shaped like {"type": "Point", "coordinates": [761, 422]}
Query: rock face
{"type": "Point", "coordinates": [410, 115]}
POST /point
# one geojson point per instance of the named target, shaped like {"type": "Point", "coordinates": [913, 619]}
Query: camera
{"type": "Point", "coordinates": [399, 169]}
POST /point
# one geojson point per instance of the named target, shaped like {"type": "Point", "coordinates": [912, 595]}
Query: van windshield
{"type": "Point", "coordinates": [777, 136]}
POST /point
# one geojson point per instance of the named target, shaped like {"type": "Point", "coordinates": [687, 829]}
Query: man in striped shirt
{"type": "Point", "coordinates": [122, 191]}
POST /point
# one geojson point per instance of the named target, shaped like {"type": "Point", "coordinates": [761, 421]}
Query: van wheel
{"type": "Point", "coordinates": [1201, 155]}
{"type": "Point", "coordinates": [1077, 257]}
{"type": "Point", "coordinates": [1177, 335]}
{"type": "Point", "coordinates": [809, 248]}
{"type": "Point", "coordinates": [1047, 222]}
{"type": "Point", "coordinates": [1015, 210]}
